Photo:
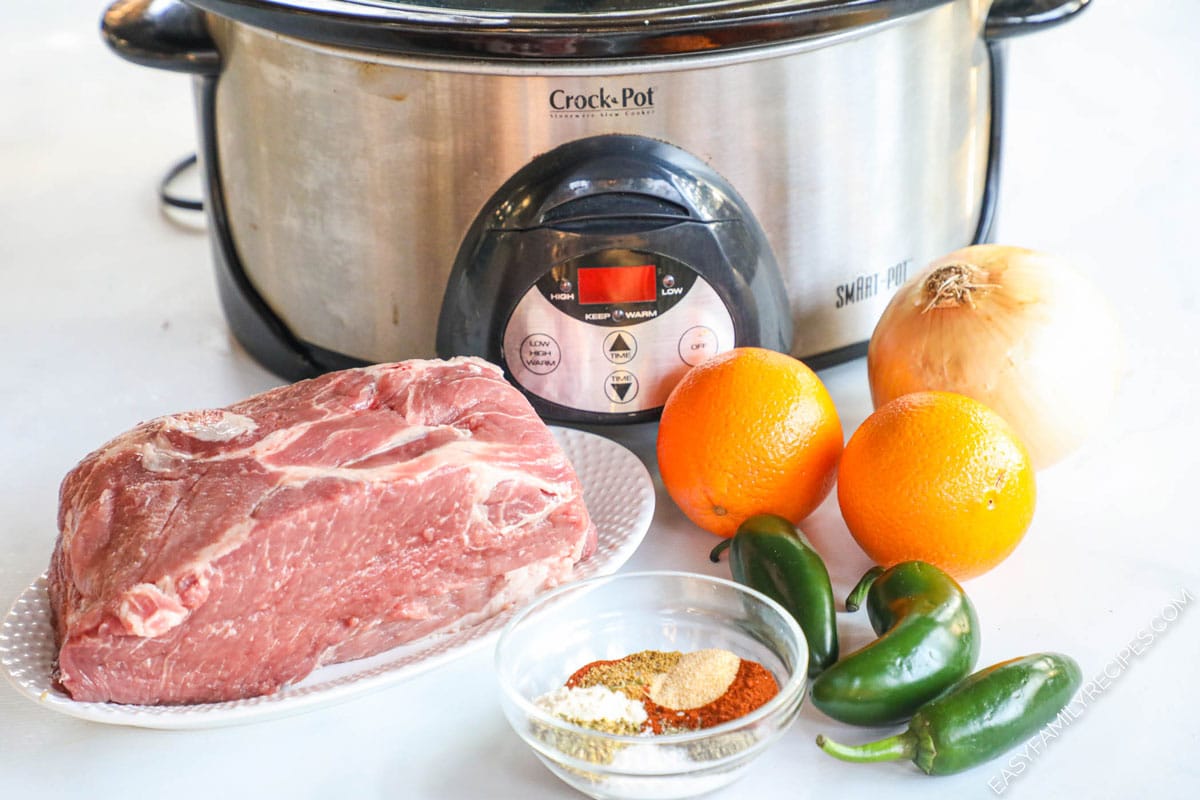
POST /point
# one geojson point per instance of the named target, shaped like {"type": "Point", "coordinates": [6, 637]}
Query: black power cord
{"type": "Point", "coordinates": [164, 186]}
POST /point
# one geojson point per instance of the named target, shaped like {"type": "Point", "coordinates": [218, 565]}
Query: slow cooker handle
{"type": "Point", "coordinates": [1016, 17]}
{"type": "Point", "coordinates": [168, 35]}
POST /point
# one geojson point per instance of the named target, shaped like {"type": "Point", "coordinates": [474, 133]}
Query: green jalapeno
{"type": "Point", "coordinates": [928, 641]}
{"type": "Point", "coordinates": [767, 553]}
{"type": "Point", "coordinates": [987, 714]}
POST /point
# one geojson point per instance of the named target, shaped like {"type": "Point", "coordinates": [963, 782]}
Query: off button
{"type": "Point", "coordinates": [540, 353]}
{"type": "Point", "coordinates": [697, 344]}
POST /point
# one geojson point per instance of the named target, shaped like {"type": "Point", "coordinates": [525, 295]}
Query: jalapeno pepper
{"type": "Point", "coordinates": [768, 554]}
{"type": "Point", "coordinates": [928, 641]}
{"type": "Point", "coordinates": [990, 712]}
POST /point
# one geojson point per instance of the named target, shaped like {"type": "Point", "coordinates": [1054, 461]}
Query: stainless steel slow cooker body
{"type": "Point", "coordinates": [349, 147]}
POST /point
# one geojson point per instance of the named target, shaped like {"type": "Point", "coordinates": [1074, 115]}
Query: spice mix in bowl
{"type": "Point", "coordinates": [658, 684]}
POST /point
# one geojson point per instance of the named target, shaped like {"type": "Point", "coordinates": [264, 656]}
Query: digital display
{"type": "Point", "coordinates": [617, 285]}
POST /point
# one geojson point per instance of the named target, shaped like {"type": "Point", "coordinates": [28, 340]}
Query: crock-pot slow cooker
{"type": "Point", "coordinates": [594, 195]}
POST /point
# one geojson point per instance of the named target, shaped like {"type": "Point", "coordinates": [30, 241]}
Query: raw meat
{"type": "Point", "coordinates": [222, 554]}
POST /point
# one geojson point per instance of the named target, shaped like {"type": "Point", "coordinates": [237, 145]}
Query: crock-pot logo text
{"type": "Point", "coordinates": [624, 101]}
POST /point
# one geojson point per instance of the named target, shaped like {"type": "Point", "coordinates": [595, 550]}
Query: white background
{"type": "Point", "coordinates": [108, 315]}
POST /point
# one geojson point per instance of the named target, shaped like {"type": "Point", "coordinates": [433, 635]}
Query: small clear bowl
{"type": "Point", "coordinates": [611, 617]}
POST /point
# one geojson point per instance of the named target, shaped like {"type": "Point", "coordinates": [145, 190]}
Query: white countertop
{"type": "Point", "coordinates": [110, 316]}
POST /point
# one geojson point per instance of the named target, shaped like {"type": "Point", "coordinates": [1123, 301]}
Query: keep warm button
{"type": "Point", "coordinates": [621, 386]}
{"type": "Point", "coordinates": [540, 353]}
{"type": "Point", "coordinates": [697, 344]}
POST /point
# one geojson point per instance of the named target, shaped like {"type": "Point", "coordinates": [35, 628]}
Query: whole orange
{"type": "Point", "coordinates": [937, 477]}
{"type": "Point", "coordinates": [746, 432]}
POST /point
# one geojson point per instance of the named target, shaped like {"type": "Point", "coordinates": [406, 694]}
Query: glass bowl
{"type": "Point", "coordinates": [614, 616]}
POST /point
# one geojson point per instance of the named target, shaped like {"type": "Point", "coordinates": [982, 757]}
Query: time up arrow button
{"type": "Point", "coordinates": [620, 347]}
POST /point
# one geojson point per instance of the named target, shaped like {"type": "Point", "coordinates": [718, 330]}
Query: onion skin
{"type": "Point", "coordinates": [1029, 337]}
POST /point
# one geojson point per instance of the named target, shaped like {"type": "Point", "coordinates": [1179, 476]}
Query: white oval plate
{"type": "Point", "coordinates": [619, 496]}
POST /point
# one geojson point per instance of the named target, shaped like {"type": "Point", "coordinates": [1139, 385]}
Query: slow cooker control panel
{"type": "Point", "coordinates": [614, 332]}
{"type": "Point", "coordinates": [603, 270]}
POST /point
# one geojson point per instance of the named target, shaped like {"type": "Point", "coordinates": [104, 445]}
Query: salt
{"type": "Point", "coordinates": [662, 773]}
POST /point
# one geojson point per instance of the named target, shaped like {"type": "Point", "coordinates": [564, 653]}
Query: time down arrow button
{"type": "Point", "coordinates": [621, 386]}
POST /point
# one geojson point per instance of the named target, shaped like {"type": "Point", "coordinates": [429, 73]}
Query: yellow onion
{"type": "Point", "coordinates": [1018, 330]}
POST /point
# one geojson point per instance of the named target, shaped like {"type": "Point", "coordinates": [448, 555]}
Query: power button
{"type": "Point", "coordinates": [697, 344]}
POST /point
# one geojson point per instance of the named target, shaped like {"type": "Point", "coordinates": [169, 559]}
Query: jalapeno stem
{"type": "Point", "coordinates": [715, 555]}
{"type": "Point", "coordinates": [893, 748]}
{"type": "Point", "coordinates": [854, 600]}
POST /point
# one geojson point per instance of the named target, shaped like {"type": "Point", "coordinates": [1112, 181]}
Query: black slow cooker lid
{"type": "Point", "coordinates": [559, 29]}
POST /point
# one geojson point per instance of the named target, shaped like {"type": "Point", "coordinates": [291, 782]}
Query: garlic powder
{"type": "Point", "coordinates": [594, 707]}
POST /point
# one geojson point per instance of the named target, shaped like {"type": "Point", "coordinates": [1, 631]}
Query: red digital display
{"type": "Point", "coordinates": [617, 285]}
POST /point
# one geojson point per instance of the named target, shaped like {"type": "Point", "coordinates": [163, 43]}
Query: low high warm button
{"type": "Point", "coordinates": [697, 344]}
{"type": "Point", "coordinates": [621, 386]}
{"type": "Point", "coordinates": [540, 353]}
{"type": "Point", "coordinates": [620, 347]}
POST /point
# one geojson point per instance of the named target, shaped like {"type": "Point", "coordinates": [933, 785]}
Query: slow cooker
{"type": "Point", "coordinates": [595, 196]}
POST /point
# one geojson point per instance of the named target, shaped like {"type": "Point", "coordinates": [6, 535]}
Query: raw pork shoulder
{"type": "Point", "coordinates": [222, 554]}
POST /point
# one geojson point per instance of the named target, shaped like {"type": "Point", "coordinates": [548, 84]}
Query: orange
{"type": "Point", "coordinates": [746, 432]}
{"type": "Point", "coordinates": [937, 477]}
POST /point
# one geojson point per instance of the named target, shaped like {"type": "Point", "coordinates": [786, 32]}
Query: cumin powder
{"type": "Point", "coordinates": [630, 675]}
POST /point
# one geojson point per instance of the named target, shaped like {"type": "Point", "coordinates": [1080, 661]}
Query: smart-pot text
{"type": "Point", "coordinates": [864, 287]}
